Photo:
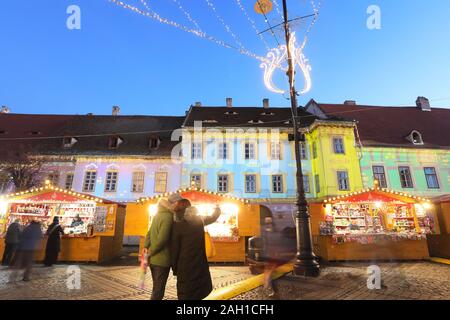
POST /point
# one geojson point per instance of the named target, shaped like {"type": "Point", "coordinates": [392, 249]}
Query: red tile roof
{"type": "Point", "coordinates": [389, 126]}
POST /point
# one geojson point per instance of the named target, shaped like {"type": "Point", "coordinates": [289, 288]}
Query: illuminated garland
{"type": "Point", "coordinates": [167, 194]}
{"type": "Point", "coordinates": [226, 26]}
{"type": "Point", "coordinates": [51, 188]}
{"type": "Point", "coordinates": [201, 34]}
{"type": "Point", "coordinates": [253, 24]}
{"type": "Point", "coordinates": [384, 190]}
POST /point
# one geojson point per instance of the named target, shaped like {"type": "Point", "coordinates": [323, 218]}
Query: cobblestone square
{"type": "Point", "coordinates": [348, 281]}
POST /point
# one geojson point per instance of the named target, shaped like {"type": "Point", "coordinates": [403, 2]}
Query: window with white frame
{"type": "Point", "coordinates": [137, 182]}
{"type": "Point", "coordinates": [90, 178]}
{"type": "Point", "coordinates": [275, 150]}
{"type": "Point", "coordinates": [196, 180]}
{"type": "Point", "coordinates": [69, 181]}
{"type": "Point", "coordinates": [303, 150]}
{"type": "Point", "coordinates": [223, 151]}
{"type": "Point", "coordinates": [249, 151]}
{"type": "Point", "coordinates": [196, 150]}
{"type": "Point", "coordinates": [431, 177]}
{"type": "Point", "coordinates": [160, 182]}
{"type": "Point", "coordinates": [277, 183]}
{"type": "Point", "coordinates": [306, 186]}
{"type": "Point", "coordinates": [405, 177]}
{"type": "Point", "coordinates": [111, 181]}
{"type": "Point", "coordinates": [379, 174]}
{"type": "Point", "coordinates": [222, 183]}
{"type": "Point", "coordinates": [343, 181]}
{"type": "Point", "coordinates": [250, 183]}
{"type": "Point", "coordinates": [338, 145]}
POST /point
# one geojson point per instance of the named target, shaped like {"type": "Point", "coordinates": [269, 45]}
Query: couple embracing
{"type": "Point", "coordinates": [177, 240]}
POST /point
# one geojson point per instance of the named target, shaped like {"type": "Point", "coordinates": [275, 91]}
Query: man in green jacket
{"type": "Point", "coordinates": [157, 243]}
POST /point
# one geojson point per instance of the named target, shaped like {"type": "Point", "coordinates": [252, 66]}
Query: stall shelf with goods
{"type": "Point", "coordinates": [239, 220]}
{"type": "Point", "coordinates": [93, 227]}
{"type": "Point", "coordinates": [372, 224]}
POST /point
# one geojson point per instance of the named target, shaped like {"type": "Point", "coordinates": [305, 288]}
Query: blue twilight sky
{"type": "Point", "coordinates": [122, 58]}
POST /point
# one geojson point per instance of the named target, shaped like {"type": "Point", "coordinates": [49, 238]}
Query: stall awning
{"type": "Point", "coordinates": [50, 194]}
{"type": "Point", "coordinates": [375, 195]}
{"type": "Point", "coordinates": [195, 195]}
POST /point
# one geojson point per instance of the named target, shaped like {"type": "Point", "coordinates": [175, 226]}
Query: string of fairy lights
{"type": "Point", "coordinates": [253, 24]}
{"type": "Point", "coordinates": [274, 59]}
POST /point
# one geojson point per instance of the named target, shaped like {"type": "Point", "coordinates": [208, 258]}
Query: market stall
{"type": "Point", "coordinates": [439, 244]}
{"type": "Point", "coordinates": [93, 227]}
{"type": "Point", "coordinates": [372, 224]}
{"type": "Point", "coordinates": [239, 220]}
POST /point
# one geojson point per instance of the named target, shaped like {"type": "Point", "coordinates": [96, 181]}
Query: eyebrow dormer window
{"type": "Point", "coordinates": [68, 142]}
{"type": "Point", "coordinates": [115, 142]}
{"type": "Point", "coordinates": [231, 113]}
{"type": "Point", "coordinates": [256, 121]}
{"type": "Point", "coordinates": [35, 133]}
{"type": "Point", "coordinates": [415, 137]}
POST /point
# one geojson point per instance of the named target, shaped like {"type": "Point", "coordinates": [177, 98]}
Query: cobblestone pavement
{"type": "Point", "coordinates": [100, 283]}
{"type": "Point", "coordinates": [348, 281]}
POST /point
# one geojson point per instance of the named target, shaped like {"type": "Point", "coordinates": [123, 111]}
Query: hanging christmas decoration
{"type": "Point", "coordinates": [278, 58]}
{"type": "Point", "coordinates": [263, 6]}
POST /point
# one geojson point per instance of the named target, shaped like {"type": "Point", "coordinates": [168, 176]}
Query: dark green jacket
{"type": "Point", "coordinates": [158, 238]}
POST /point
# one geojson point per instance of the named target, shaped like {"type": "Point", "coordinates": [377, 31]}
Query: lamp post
{"type": "Point", "coordinates": [306, 262]}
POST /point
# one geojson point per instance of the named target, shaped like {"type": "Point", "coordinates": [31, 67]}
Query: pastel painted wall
{"type": "Point", "coordinates": [325, 165]}
{"type": "Point", "coordinates": [210, 166]}
{"type": "Point", "coordinates": [416, 160]}
{"type": "Point", "coordinates": [328, 163]}
{"type": "Point", "coordinates": [125, 168]}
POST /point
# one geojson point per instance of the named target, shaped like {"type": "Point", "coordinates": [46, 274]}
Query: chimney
{"type": "Point", "coordinates": [423, 103]}
{"type": "Point", "coordinates": [229, 102]}
{"type": "Point", "coordinates": [266, 103]}
{"type": "Point", "coordinates": [115, 110]}
{"type": "Point", "coordinates": [350, 102]}
{"type": "Point", "coordinates": [198, 104]}
{"type": "Point", "coordinates": [5, 109]}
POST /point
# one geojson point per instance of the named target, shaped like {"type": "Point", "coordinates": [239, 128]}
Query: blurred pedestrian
{"type": "Point", "coordinates": [271, 254]}
{"type": "Point", "coordinates": [30, 242]}
{"type": "Point", "coordinates": [53, 247]}
{"type": "Point", "coordinates": [157, 244]}
{"type": "Point", "coordinates": [189, 260]}
{"type": "Point", "coordinates": [12, 239]}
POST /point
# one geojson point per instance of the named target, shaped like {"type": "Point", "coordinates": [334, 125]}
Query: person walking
{"type": "Point", "coordinates": [54, 232]}
{"type": "Point", "coordinates": [12, 239]}
{"type": "Point", "coordinates": [30, 241]}
{"type": "Point", "coordinates": [157, 244]}
{"type": "Point", "coordinates": [189, 261]}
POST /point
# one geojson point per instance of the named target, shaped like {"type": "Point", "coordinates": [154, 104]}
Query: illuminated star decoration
{"type": "Point", "coordinates": [277, 60]}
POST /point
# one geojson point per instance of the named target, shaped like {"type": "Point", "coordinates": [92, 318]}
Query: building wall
{"type": "Point", "coordinates": [416, 160]}
{"type": "Point", "coordinates": [125, 168]}
{"type": "Point", "coordinates": [237, 167]}
{"type": "Point", "coordinates": [325, 165]}
{"type": "Point", "coordinates": [328, 163]}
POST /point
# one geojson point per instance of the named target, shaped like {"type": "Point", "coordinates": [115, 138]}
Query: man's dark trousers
{"type": "Point", "coordinates": [159, 277]}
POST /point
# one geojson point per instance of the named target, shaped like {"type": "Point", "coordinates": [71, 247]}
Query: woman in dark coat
{"type": "Point", "coordinates": [188, 253]}
{"type": "Point", "coordinates": [54, 233]}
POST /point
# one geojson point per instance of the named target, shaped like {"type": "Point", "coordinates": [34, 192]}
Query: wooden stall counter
{"type": "Point", "coordinates": [328, 250]}
{"type": "Point", "coordinates": [239, 221]}
{"type": "Point", "coordinates": [372, 224]}
{"type": "Point", "coordinates": [94, 226]}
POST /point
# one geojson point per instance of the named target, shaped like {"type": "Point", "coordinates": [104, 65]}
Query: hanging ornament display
{"type": "Point", "coordinates": [277, 57]}
{"type": "Point", "coordinates": [263, 6]}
